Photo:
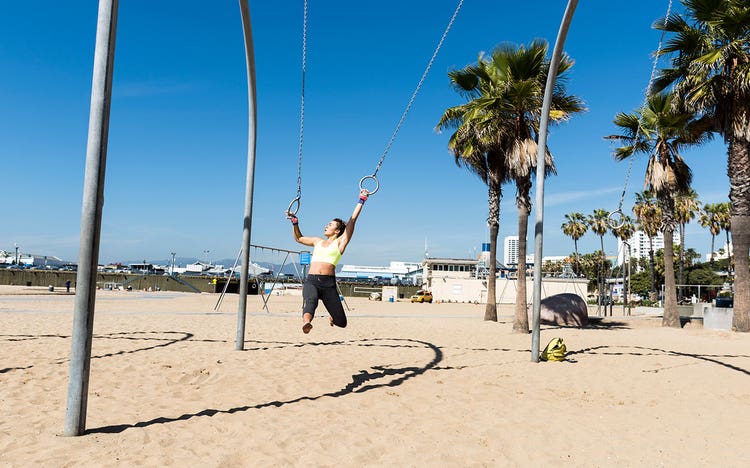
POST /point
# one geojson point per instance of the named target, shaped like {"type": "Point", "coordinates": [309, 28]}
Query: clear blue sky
{"type": "Point", "coordinates": [178, 135]}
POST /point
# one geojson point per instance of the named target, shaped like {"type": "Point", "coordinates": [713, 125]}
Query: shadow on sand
{"type": "Point", "coordinates": [361, 382]}
{"type": "Point", "coordinates": [645, 351]}
{"type": "Point", "coordinates": [181, 336]}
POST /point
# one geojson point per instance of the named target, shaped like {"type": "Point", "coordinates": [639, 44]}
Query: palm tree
{"type": "Point", "coordinates": [575, 226]}
{"type": "Point", "coordinates": [686, 208]}
{"type": "Point", "coordinates": [661, 129]}
{"type": "Point", "coordinates": [599, 224]}
{"type": "Point", "coordinates": [648, 216]}
{"type": "Point", "coordinates": [709, 219]}
{"type": "Point", "coordinates": [710, 50]}
{"type": "Point", "coordinates": [497, 129]}
{"type": "Point", "coordinates": [725, 222]}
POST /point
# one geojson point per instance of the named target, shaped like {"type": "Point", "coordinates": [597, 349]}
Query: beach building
{"type": "Point", "coordinates": [34, 260]}
{"type": "Point", "coordinates": [465, 280]}
{"type": "Point", "coordinates": [404, 272]}
{"type": "Point", "coordinates": [723, 253]}
{"type": "Point", "coordinates": [638, 246]}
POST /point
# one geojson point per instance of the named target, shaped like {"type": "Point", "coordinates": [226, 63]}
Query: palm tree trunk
{"type": "Point", "coordinates": [521, 320]}
{"type": "Point", "coordinates": [741, 244]}
{"type": "Point", "coordinates": [739, 197]}
{"type": "Point", "coordinates": [578, 262]}
{"type": "Point", "coordinates": [671, 317]}
{"type": "Point", "coordinates": [495, 194]}
{"type": "Point", "coordinates": [711, 261]}
{"type": "Point", "coordinates": [729, 257]}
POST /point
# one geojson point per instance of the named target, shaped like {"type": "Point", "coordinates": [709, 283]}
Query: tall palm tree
{"type": "Point", "coordinates": [725, 222]}
{"type": "Point", "coordinates": [575, 227]}
{"type": "Point", "coordinates": [661, 129]}
{"type": "Point", "coordinates": [648, 216]}
{"type": "Point", "coordinates": [686, 208]}
{"type": "Point", "coordinates": [599, 223]}
{"type": "Point", "coordinates": [709, 219]}
{"type": "Point", "coordinates": [710, 50]}
{"type": "Point", "coordinates": [501, 123]}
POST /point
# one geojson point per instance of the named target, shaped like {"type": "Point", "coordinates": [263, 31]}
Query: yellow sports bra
{"type": "Point", "coordinates": [329, 254]}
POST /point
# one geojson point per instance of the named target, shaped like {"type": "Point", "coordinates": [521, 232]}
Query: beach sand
{"type": "Point", "coordinates": [403, 385]}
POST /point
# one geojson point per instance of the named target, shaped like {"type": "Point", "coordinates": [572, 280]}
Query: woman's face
{"type": "Point", "coordinates": [331, 228]}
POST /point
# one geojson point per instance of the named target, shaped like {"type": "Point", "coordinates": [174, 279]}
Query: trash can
{"type": "Point", "coordinates": [51, 288]}
{"type": "Point", "coordinates": [724, 302]}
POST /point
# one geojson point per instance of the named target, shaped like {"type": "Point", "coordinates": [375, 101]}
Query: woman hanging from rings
{"type": "Point", "coordinates": [321, 279]}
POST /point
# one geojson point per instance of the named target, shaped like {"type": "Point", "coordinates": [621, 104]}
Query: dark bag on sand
{"type": "Point", "coordinates": [554, 351]}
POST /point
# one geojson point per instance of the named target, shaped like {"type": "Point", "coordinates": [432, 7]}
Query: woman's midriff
{"type": "Point", "coordinates": [322, 268]}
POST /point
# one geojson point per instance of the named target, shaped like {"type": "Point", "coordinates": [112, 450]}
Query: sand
{"type": "Point", "coordinates": [403, 385]}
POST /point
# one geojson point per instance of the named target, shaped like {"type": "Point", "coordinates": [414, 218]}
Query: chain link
{"type": "Point", "coordinates": [302, 103]}
{"type": "Point", "coordinates": [645, 102]}
{"type": "Point", "coordinates": [419, 85]}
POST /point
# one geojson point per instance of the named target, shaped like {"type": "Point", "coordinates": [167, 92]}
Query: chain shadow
{"type": "Point", "coordinates": [185, 336]}
{"type": "Point", "coordinates": [361, 382]}
{"type": "Point", "coordinates": [711, 358]}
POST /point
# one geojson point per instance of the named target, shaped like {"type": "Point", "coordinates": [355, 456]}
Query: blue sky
{"type": "Point", "coordinates": [178, 135]}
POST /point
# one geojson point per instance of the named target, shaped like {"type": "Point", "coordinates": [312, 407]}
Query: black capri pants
{"type": "Point", "coordinates": [323, 287]}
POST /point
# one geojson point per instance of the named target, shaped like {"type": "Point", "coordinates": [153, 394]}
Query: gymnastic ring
{"type": "Point", "coordinates": [616, 219]}
{"type": "Point", "coordinates": [362, 181]}
{"type": "Point", "coordinates": [289, 211]}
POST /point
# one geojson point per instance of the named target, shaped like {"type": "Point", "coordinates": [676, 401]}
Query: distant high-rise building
{"type": "Point", "coordinates": [510, 250]}
{"type": "Point", "coordinates": [640, 245]}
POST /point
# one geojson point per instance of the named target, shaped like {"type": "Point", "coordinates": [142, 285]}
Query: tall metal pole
{"type": "Point", "coordinates": [249, 181]}
{"type": "Point", "coordinates": [91, 219]}
{"type": "Point", "coordinates": [541, 152]}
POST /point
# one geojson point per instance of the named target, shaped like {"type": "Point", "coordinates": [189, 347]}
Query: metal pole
{"type": "Point", "coordinates": [541, 151]}
{"type": "Point", "coordinates": [630, 274]}
{"type": "Point", "coordinates": [251, 136]}
{"type": "Point", "coordinates": [91, 218]}
{"type": "Point", "coordinates": [624, 279]}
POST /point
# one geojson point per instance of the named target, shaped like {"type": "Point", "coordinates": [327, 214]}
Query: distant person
{"type": "Point", "coordinates": [321, 279]}
{"type": "Point", "coordinates": [67, 286]}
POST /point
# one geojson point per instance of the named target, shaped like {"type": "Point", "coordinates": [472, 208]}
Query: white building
{"type": "Point", "coordinates": [722, 253]}
{"type": "Point", "coordinates": [398, 270]}
{"type": "Point", "coordinates": [638, 246]}
{"type": "Point", "coordinates": [510, 250]}
{"type": "Point", "coordinates": [455, 280]}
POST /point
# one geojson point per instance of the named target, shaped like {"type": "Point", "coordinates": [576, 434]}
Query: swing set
{"type": "Point", "coordinates": [80, 356]}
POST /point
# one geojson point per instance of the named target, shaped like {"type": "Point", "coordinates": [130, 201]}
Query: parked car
{"type": "Point", "coordinates": [422, 296]}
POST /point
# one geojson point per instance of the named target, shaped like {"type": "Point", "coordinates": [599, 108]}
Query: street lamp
{"type": "Point", "coordinates": [172, 272]}
{"type": "Point", "coordinates": [16, 245]}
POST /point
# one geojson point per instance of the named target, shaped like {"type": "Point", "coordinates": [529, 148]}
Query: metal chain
{"type": "Point", "coordinates": [416, 90]}
{"type": "Point", "coordinates": [302, 103]}
{"type": "Point", "coordinates": [645, 102]}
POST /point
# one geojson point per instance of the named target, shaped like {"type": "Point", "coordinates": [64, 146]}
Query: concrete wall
{"type": "Point", "coordinates": [165, 283]}
{"type": "Point", "coordinates": [473, 290]}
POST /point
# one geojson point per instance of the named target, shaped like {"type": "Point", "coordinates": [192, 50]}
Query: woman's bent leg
{"type": "Point", "coordinates": [332, 301]}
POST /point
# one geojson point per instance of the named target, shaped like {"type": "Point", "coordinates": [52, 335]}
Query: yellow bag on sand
{"type": "Point", "coordinates": [554, 351]}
